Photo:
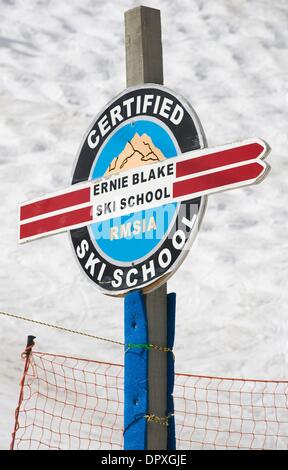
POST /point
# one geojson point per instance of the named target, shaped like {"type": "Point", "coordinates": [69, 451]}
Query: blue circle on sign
{"type": "Point", "coordinates": [131, 237]}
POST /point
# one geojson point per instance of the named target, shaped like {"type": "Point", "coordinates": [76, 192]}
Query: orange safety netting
{"type": "Point", "coordinates": [71, 403]}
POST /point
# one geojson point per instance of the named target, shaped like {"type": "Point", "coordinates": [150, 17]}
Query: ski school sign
{"type": "Point", "coordinates": [139, 189]}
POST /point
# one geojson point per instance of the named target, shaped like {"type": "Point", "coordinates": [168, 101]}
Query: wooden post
{"type": "Point", "coordinates": [156, 310]}
{"type": "Point", "coordinates": [144, 65]}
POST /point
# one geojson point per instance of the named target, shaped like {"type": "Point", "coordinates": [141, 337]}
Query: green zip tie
{"type": "Point", "coordinates": [140, 346]}
{"type": "Point", "coordinates": [148, 346]}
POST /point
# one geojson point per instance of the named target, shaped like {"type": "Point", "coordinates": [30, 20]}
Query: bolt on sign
{"type": "Point", "coordinates": [139, 189]}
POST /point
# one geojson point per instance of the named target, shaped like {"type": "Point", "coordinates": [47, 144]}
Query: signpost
{"type": "Point", "coordinates": [137, 198]}
{"type": "Point", "coordinates": [144, 64]}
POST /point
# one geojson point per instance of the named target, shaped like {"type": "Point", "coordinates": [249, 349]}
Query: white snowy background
{"type": "Point", "coordinates": [60, 63]}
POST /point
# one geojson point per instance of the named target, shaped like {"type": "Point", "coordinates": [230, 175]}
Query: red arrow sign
{"type": "Point", "coordinates": [229, 156]}
{"type": "Point", "coordinates": [220, 179]}
{"type": "Point", "coordinates": [237, 158]}
{"type": "Point", "coordinates": [54, 203]}
{"type": "Point", "coordinates": [192, 174]}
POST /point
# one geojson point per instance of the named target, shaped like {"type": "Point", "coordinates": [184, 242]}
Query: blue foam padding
{"type": "Point", "coordinates": [135, 373]}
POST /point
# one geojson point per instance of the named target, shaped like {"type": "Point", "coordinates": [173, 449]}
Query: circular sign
{"type": "Point", "coordinates": [141, 126]}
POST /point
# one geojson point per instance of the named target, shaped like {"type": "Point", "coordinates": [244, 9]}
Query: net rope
{"type": "Point", "coordinates": [73, 403]}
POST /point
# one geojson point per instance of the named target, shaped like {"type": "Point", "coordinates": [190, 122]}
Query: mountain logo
{"type": "Point", "coordinates": [139, 151]}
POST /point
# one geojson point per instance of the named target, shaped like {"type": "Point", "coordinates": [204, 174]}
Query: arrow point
{"type": "Point", "coordinates": [265, 148]}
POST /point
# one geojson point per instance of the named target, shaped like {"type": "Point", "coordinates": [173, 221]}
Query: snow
{"type": "Point", "coordinates": [60, 63]}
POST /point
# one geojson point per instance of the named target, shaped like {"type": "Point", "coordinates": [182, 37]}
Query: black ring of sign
{"type": "Point", "coordinates": [188, 138]}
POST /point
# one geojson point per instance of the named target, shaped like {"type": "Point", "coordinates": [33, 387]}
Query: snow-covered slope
{"type": "Point", "coordinates": [60, 63]}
